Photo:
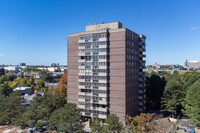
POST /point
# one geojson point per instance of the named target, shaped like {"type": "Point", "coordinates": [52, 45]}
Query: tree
{"type": "Point", "coordinates": [11, 109]}
{"type": "Point", "coordinates": [22, 82]}
{"type": "Point", "coordinates": [61, 87]}
{"type": "Point", "coordinates": [155, 88]}
{"type": "Point", "coordinates": [192, 107]}
{"type": "Point", "coordinates": [30, 81]}
{"type": "Point", "coordinates": [192, 79]}
{"type": "Point", "coordinates": [66, 119]}
{"type": "Point", "coordinates": [142, 122]}
{"type": "Point", "coordinates": [130, 125]}
{"type": "Point", "coordinates": [41, 108]}
{"type": "Point", "coordinates": [113, 124]}
{"type": "Point", "coordinates": [96, 125]}
{"type": "Point", "coordinates": [40, 83]}
{"type": "Point", "coordinates": [5, 90]}
{"type": "Point", "coordinates": [173, 96]}
{"type": "Point", "coordinates": [46, 76]}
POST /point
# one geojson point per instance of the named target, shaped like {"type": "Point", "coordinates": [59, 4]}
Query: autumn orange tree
{"type": "Point", "coordinates": [61, 87]}
{"type": "Point", "coordinates": [141, 123]}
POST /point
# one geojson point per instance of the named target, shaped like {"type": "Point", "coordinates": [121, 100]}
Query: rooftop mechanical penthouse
{"type": "Point", "coordinates": [105, 71]}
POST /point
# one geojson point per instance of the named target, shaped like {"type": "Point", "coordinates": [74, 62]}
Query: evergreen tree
{"type": "Point", "coordinates": [41, 108]}
{"type": "Point", "coordinates": [96, 125]}
{"type": "Point", "coordinates": [11, 109]}
{"type": "Point", "coordinates": [193, 103]}
{"type": "Point", "coordinates": [66, 119]}
{"type": "Point", "coordinates": [112, 124]}
{"type": "Point", "coordinates": [173, 96]}
{"type": "Point", "coordinates": [154, 91]}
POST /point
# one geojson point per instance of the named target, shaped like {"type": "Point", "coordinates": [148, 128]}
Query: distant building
{"type": "Point", "coordinates": [52, 69]}
{"type": "Point", "coordinates": [192, 64]}
{"type": "Point", "coordinates": [63, 69]}
{"type": "Point", "coordinates": [22, 64]}
{"type": "Point", "coordinates": [55, 65]}
{"type": "Point", "coordinates": [12, 68]}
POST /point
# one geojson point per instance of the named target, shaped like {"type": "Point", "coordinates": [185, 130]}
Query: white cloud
{"type": "Point", "coordinates": [193, 28]}
{"type": "Point", "coordinates": [1, 54]}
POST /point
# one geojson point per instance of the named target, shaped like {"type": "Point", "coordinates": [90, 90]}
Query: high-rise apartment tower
{"type": "Point", "coordinates": [105, 71]}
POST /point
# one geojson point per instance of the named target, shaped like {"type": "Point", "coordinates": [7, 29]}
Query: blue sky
{"type": "Point", "coordinates": [34, 31]}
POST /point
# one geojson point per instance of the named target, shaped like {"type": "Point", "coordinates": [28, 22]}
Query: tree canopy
{"type": "Point", "coordinates": [193, 103]}
{"type": "Point", "coordinates": [66, 119]}
{"type": "Point", "coordinates": [61, 87]}
{"type": "Point", "coordinates": [173, 96]}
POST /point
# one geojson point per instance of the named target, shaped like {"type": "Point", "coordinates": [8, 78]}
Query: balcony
{"type": "Point", "coordinates": [103, 102]}
{"type": "Point", "coordinates": [81, 106]}
{"type": "Point", "coordinates": [81, 87]}
{"type": "Point", "coordinates": [102, 46]}
{"type": "Point", "coordinates": [102, 60]}
{"type": "Point", "coordinates": [81, 80]}
{"type": "Point", "coordinates": [140, 91]}
{"type": "Point", "coordinates": [102, 88]}
{"type": "Point", "coordinates": [84, 94]}
{"type": "Point", "coordinates": [141, 67]}
{"type": "Point", "coordinates": [102, 53]}
{"type": "Point", "coordinates": [140, 79]}
{"type": "Point", "coordinates": [102, 67]}
{"type": "Point", "coordinates": [81, 60]}
{"type": "Point", "coordinates": [103, 81]}
{"type": "Point", "coordinates": [81, 74]}
{"type": "Point", "coordinates": [141, 103]}
{"type": "Point", "coordinates": [102, 74]}
{"type": "Point", "coordinates": [102, 116]}
{"type": "Point", "coordinates": [141, 85]}
{"type": "Point", "coordinates": [81, 67]}
{"type": "Point", "coordinates": [81, 93]}
{"type": "Point", "coordinates": [100, 109]}
{"type": "Point", "coordinates": [140, 98]}
{"type": "Point", "coordinates": [102, 95]}
{"type": "Point", "coordinates": [81, 47]}
{"type": "Point", "coordinates": [102, 39]}
{"type": "Point", "coordinates": [81, 54]}
{"type": "Point", "coordinates": [142, 49]}
{"type": "Point", "coordinates": [81, 100]}
{"type": "Point", "coordinates": [81, 41]}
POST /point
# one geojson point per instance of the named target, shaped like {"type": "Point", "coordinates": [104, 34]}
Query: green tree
{"type": "Point", "coordinates": [40, 83]}
{"type": "Point", "coordinates": [154, 92]}
{"type": "Point", "coordinates": [66, 119]}
{"type": "Point", "coordinates": [46, 76]}
{"type": "Point", "coordinates": [96, 125]}
{"type": "Point", "coordinates": [5, 90]}
{"type": "Point", "coordinates": [113, 124]}
{"type": "Point", "coordinates": [191, 80]}
{"type": "Point", "coordinates": [41, 108]}
{"type": "Point", "coordinates": [11, 109]}
{"type": "Point", "coordinates": [173, 96]}
{"type": "Point", "coordinates": [192, 107]}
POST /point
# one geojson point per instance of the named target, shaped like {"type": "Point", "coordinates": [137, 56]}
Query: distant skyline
{"type": "Point", "coordinates": [35, 31]}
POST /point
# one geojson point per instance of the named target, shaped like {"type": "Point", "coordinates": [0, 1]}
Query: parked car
{"type": "Point", "coordinates": [38, 95]}
{"type": "Point", "coordinates": [43, 128]}
{"type": "Point", "coordinates": [31, 130]}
